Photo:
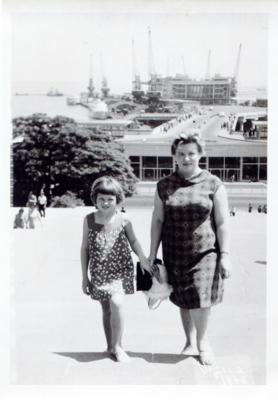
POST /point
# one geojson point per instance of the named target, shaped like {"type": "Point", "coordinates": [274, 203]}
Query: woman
{"type": "Point", "coordinates": [190, 218]}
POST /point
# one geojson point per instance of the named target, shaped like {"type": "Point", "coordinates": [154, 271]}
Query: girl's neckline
{"type": "Point", "coordinates": [107, 223]}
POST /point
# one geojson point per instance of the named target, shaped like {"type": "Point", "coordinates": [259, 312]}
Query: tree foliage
{"type": "Point", "coordinates": [62, 156]}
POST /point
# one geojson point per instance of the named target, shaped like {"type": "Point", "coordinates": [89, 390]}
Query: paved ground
{"type": "Point", "coordinates": [57, 337]}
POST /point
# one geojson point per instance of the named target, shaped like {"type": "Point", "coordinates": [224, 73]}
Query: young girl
{"type": "Point", "coordinates": [105, 252]}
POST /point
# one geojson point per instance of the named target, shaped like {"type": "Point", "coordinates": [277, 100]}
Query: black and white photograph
{"type": "Point", "coordinates": [137, 196]}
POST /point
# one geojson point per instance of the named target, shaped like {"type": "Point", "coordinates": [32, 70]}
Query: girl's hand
{"type": "Point", "coordinates": [225, 266]}
{"type": "Point", "coordinates": [86, 286]}
{"type": "Point", "coordinates": [145, 264]}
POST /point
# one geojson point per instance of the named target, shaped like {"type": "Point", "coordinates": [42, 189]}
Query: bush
{"type": "Point", "coordinates": [68, 199]}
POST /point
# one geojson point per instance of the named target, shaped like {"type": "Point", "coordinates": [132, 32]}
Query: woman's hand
{"type": "Point", "coordinates": [154, 269]}
{"type": "Point", "coordinates": [225, 266]}
{"type": "Point", "coordinates": [86, 286]}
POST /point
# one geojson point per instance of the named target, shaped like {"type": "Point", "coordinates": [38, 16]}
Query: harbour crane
{"type": "Point", "coordinates": [237, 63]}
{"type": "Point", "coordinates": [137, 92]}
{"type": "Point", "coordinates": [104, 85]}
{"type": "Point", "coordinates": [235, 76]}
{"type": "Point", "coordinates": [208, 66]}
{"type": "Point", "coordinates": [183, 66]}
{"type": "Point", "coordinates": [91, 88]}
{"type": "Point", "coordinates": [153, 93]}
{"type": "Point", "coordinates": [150, 55]}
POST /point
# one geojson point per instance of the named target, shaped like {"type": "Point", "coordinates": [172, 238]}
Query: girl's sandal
{"type": "Point", "coordinates": [206, 357]}
{"type": "Point", "coordinates": [121, 356]}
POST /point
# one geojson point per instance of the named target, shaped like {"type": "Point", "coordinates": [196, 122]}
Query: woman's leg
{"type": "Point", "coordinates": [190, 347]}
{"type": "Point", "coordinates": [200, 317]}
{"type": "Point", "coordinates": [106, 320]}
{"type": "Point", "coordinates": [117, 327]}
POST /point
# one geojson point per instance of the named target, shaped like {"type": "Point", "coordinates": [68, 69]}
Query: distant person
{"type": "Point", "coordinates": [259, 209]}
{"type": "Point", "coordinates": [232, 178]}
{"type": "Point", "coordinates": [42, 202]}
{"type": "Point", "coordinates": [250, 207]}
{"type": "Point", "coordinates": [105, 252]}
{"type": "Point", "coordinates": [264, 209]}
{"type": "Point", "coordinates": [33, 217]}
{"type": "Point", "coordinates": [19, 221]}
{"type": "Point", "coordinates": [32, 199]}
{"type": "Point", "coordinates": [233, 212]}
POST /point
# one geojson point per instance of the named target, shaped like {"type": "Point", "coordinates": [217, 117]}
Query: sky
{"type": "Point", "coordinates": [57, 47]}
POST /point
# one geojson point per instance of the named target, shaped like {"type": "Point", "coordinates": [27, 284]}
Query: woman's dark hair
{"type": "Point", "coordinates": [107, 185]}
{"type": "Point", "coordinates": [186, 138]}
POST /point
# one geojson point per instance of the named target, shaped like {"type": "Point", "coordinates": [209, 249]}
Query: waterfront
{"type": "Point", "coordinates": [24, 105]}
{"type": "Point", "coordinates": [52, 106]}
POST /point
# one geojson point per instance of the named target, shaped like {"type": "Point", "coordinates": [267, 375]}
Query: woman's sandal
{"type": "Point", "coordinates": [206, 357]}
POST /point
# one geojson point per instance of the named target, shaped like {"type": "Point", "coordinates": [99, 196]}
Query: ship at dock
{"type": "Point", "coordinates": [54, 93]}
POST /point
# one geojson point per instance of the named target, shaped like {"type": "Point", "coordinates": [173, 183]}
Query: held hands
{"type": "Point", "coordinates": [225, 266]}
{"type": "Point", "coordinates": [145, 264]}
{"type": "Point", "coordinates": [86, 286]}
{"type": "Point", "coordinates": [154, 269]}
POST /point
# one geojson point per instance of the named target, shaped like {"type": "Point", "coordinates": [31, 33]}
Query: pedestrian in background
{"type": "Point", "coordinates": [33, 217]}
{"type": "Point", "coordinates": [19, 221]}
{"type": "Point", "coordinates": [42, 202]}
{"type": "Point", "coordinates": [32, 199]}
{"type": "Point", "coordinates": [105, 252]}
{"type": "Point", "coordinates": [250, 207]}
{"type": "Point", "coordinates": [233, 212]}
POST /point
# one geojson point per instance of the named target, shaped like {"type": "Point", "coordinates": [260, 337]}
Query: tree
{"type": "Point", "coordinates": [62, 156]}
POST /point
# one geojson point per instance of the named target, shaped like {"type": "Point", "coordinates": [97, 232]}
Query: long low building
{"type": "Point", "coordinates": [228, 158]}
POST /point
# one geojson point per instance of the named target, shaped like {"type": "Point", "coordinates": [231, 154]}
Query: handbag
{"type": "Point", "coordinates": [160, 289]}
{"type": "Point", "coordinates": [143, 278]}
{"type": "Point", "coordinates": [156, 290]}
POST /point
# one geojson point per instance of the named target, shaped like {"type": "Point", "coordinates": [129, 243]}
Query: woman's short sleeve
{"type": "Point", "coordinates": [217, 183]}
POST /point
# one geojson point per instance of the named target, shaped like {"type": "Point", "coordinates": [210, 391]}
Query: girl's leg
{"type": "Point", "coordinates": [190, 347]}
{"type": "Point", "coordinates": [200, 317]}
{"type": "Point", "coordinates": [117, 327]}
{"type": "Point", "coordinates": [106, 320]}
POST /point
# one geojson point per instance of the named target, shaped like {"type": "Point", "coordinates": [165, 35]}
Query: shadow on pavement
{"type": "Point", "coordinates": [261, 262]}
{"type": "Point", "coordinates": [83, 357]}
{"type": "Point", "coordinates": [159, 358]}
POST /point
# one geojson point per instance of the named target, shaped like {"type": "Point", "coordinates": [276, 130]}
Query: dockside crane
{"type": "Point", "coordinates": [183, 66]}
{"type": "Point", "coordinates": [237, 63]}
{"type": "Point", "coordinates": [153, 93]}
{"type": "Point", "coordinates": [104, 85]}
{"type": "Point", "coordinates": [91, 88]}
{"type": "Point", "coordinates": [168, 67]}
{"type": "Point", "coordinates": [137, 92]}
{"type": "Point", "coordinates": [235, 76]}
{"type": "Point", "coordinates": [208, 66]}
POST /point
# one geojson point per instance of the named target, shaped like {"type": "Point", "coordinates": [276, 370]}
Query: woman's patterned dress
{"type": "Point", "coordinates": [189, 243]}
{"type": "Point", "coordinates": [110, 262]}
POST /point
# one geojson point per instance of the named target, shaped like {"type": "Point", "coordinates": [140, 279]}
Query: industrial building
{"type": "Point", "coordinates": [218, 90]}
{"type": "Point", "coordinates": [210, 90]}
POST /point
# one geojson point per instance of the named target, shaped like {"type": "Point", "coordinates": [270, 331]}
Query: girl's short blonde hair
{"type": "Point", "coordinates": [107, 185]}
